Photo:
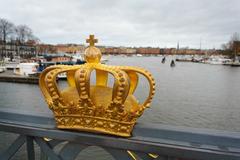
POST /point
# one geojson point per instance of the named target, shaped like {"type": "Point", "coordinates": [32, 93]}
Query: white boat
{"type": "Point", "coordinates": [2, 66]}
{"type": "Point", "coordinates": [184, 58]}
{"type": "Point", "coordinates": [218, 61]}
{"type": "Point", "coordinates": [214, 61]}
{"type": "Point", "coordinates": [26, 69]}
{"type": "Point", "coordinates": [236, 61]}
{"type": "Point", "coordinates": [62, 75]}
{"type": "Point", "coordinates": [139, 55]}
{"type": "Point", "coordinates": [79, 58]}
{"type": "Point", "coordinates": [11, 64]}
{"type": "Point", "coordinates": [235, 64]}
{"type": "Point", "coordinates": [2, 69]}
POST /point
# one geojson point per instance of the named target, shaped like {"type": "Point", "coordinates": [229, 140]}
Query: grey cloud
{"type": "Point", "coordinates": [128, 23]}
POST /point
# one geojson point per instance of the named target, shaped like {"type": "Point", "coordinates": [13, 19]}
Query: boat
{"type": "Point", "coordinates": [216, 60]}
{"type": "Point", "coordinates": [197, 59]}
{"type": "Point", "coordinates": [235, 64]}
{"type": "Point", "coordinates": [26, 69]}
{"type": "Point", "coordinates": [43, 65]}
{"type": "Point", "coordinates": [236, 61]}
{"type": "Point", "coordinates": [184, 58]}
{"type": "Point", "coordinates": [172, 63]}
{"type": "Point", "coordinates": [11, 64]}
{"type": "Point", "coordinates": [2, 69]}
{"type": "Point", "coordinates": [62, 75]}
{"type": "Point", "coordinates": [78, 59]}
{"type": "Point", "coordinates": [139, 55]}
{"type": "Point", "coordinates": [163, 59]}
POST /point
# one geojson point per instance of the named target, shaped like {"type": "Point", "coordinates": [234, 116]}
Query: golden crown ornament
{"type": "Point", "coordinates": [95, 108]}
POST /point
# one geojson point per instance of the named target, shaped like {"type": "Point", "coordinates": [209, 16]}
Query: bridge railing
{"type": "Point", "coordinates": [149, 141]}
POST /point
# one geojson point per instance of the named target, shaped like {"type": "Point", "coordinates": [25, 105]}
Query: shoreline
{"type": "Point", "coordinates": [9, 76]}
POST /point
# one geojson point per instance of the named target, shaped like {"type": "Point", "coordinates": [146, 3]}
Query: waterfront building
{"type": "Point", "coordinates": [118, 50]}
{"type": "Point", "coordinates": [15, 48]}
{"type": "Point", "coordinates": [78, 48]}
{"type": "Point", "coordinates": [45, 48]}
{"type": "Point", "coordinates": [148, 51]}
{"type": "Point", "coordinates": [70, 48]}
{"type": "Point", "coordinates": [61, 57]}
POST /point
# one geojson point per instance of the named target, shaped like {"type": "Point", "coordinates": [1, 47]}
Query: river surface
{"type": "Point", "coordinates": [190, 94]}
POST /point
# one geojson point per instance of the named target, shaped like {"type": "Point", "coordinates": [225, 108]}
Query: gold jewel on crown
{"type": "Point", "coordinates": [95, 107]}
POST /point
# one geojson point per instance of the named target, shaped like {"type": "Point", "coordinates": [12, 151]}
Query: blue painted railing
{"type": "Point", "coordinates": [149, 141]}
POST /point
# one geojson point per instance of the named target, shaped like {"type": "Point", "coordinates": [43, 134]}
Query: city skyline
{"type": "Point", "coordinates": [196, 24]}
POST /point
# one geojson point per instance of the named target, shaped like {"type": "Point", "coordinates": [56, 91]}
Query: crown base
{"type": "Point", "coordinates": [95, 124]}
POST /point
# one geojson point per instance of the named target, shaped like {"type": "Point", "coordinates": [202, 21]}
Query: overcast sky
{"type": "Point", "coordinates": [156, 23]}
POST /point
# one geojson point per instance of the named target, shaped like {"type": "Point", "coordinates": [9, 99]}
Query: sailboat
{"type": "Point", "coordinates": [235, 62]}
{"type": "Point", "coordinates": [172, 64]}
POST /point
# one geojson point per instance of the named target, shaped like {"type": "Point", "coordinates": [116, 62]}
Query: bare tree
{"type": "Point", "coordinates": [6, 29]}
{"type": "Point", "coordinates": [229, 46]}
{"type": "Point", "coordinates": [235, 37]}
{"type": "Point", "coordinates": [24, 33]}
{"type": "Point", "coordinates": [1, 34]}
{"type": "Point", "coordinates": [225, 46]}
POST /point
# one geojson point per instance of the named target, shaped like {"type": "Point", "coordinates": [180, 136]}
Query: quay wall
{"type": "Point", "coordinates": [29, 80]}
{"type": "Point", "coordinates": [8, 76]}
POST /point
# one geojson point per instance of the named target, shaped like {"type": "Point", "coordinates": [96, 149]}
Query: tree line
{"type": "Point", "coordinates": [19, 33]}
{"type": "Point", "coordinates": [231, 47]}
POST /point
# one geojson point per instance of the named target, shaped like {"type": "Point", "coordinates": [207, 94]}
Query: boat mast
{"type": "Point", "coordinates": [200, 45]}
{"type": "Point", "coordinates": [177, 47]}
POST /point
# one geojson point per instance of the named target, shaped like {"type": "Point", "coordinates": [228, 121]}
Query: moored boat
{"type": "Point", "coordinates": [26, 69]}
{"type": "Point", "coordinates": [184, 58]}
{"type": "Point", "coordinates": [218, 61]}
{"type": "Point", "coordinates": [2, 69]}
{"type": "Point", "coordinates": [235, 64]}
{"type": "Point", "coordinates": [236, 61]}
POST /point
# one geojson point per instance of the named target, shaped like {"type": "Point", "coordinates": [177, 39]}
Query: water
{"type": "Point", "coordinates": [190, 94]}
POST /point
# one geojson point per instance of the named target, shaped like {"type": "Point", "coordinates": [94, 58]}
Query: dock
{"type": "Point", "coordinates": [9, 76]}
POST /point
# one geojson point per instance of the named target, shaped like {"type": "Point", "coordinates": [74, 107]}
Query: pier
{"type": "Point", "coordinates": [8, 76]}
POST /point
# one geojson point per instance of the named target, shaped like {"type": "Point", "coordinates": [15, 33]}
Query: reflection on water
{"type": "Point", "coordinates": [190, 94]}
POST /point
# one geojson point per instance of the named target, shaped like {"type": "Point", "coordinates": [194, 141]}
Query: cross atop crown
{"type": "Point", "coordinates": [91, 40]}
